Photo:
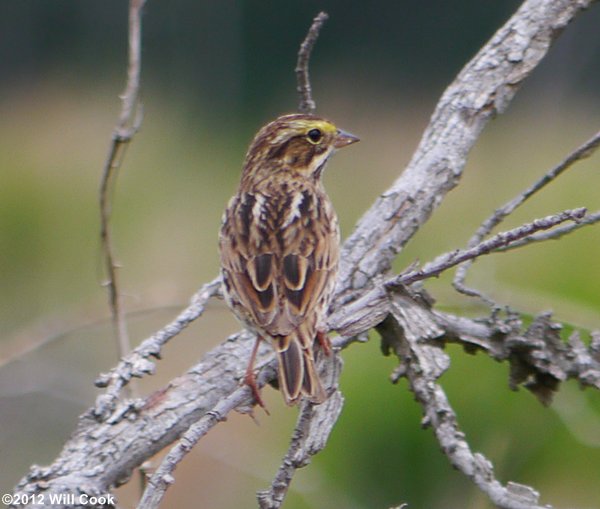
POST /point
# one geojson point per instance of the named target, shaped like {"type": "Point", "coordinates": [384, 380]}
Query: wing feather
{"type": "Point", "coordinates": [279, 256]}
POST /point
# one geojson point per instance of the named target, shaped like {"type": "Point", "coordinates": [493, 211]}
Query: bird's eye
{"type": "Point", "coordinates": [314, 135]}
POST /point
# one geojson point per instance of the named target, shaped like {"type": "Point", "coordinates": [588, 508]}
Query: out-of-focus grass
{"type": "Point", "coordinates": [176, 179]}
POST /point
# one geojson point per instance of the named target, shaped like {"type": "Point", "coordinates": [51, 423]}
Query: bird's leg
{"type": "Point", "coordinates": [324, 341]}
{"type": "Point", "coordinates": [250, 377]}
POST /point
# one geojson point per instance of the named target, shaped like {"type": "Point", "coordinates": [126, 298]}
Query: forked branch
{"type": "Point", "coordinates": [583, 151]}
{"type": "Point", "coordinates": [422, 364]}
{"type": "Point", "coordinates": [133, 431]}
{"type": "Point", "coordinates": [497, 242]}
{"type": "Point", "coordinates": [313, 427]}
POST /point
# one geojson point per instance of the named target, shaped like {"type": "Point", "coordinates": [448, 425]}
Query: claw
{"type": "Point", "coordinates": [250, 378]}
{"type": "Point", "coordinates": [324, 341]}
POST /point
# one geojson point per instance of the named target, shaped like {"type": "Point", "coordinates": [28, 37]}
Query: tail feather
{"type": "Point", "coordinates": [291, 371]}
{"type": "Point", "coordinates": [297, 373]}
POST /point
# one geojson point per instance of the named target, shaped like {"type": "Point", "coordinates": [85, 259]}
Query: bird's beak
{"type": "Point", "coordinates": [343, 139]}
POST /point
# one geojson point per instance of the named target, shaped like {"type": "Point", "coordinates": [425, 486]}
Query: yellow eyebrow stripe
{"type": "Point", "coordinates": [326, 127]}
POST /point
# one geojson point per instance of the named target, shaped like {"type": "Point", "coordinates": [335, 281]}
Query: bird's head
{"type": "Point", "coordinates": [299, 144]}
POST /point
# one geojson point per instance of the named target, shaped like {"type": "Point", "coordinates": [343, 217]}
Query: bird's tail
{"type": "Point", "coordinates": [297, 373]}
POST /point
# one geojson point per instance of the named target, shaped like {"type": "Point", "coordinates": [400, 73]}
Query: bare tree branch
{"type": "Point", "coordinates": [307, 104]}
{"type": "Point", "coordinates": [310, 435]}
{"type": "Point", "coordinates": [554, 234]}
{"type": "Point", "coordinates": [501, 240]}
{"type": "Point", "coordinates": [129, 121]}
{"type": "Point", "coordinates": [583, 151]}
{"type": "Point", "coordinates": [135, 430]}
{"type": "Point", "coordinates": [422, 365]}
{"type": "Point", "coordinates": [536, 356]}
{"type": "Point", "coordinates": [163, 476]}
{"type": "Point", "coordinates": [138, 363]}
{"type": "Point", "coordinates": [483, 89]}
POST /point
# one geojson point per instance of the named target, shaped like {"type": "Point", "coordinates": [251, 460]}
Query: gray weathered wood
{"type": "Point", "coordinates": [116, 436]}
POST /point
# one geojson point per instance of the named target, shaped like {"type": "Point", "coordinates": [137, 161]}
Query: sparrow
{"type": "Point", "coordinates": [279, 247]}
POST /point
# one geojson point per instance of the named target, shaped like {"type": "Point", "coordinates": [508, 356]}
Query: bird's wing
{"type": "Point", "coordinates": [279, 258]}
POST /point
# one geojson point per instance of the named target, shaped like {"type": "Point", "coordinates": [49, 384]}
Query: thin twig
{"type": "Point", "coordinates": [583, 151]}
{"type": "Point", "coordinates": [137, 363]}
{"type": "Point", "coordinates": [556, 233]}
{"type": "Point", "coordinates": [273, 497]}
{"type": "Point", "coordinates": [127, 125]}
{"type": "Point", "coordinates": [307, 104]}
{"type": "Point", "coordinates": [502, 239]}
{"type": "Point", "coordinates": [163, 476]}
{"type": "Point", "coordinates": [310, 436]}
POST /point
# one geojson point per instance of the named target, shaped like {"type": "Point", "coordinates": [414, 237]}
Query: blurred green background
{"type": "Point", "coordinates": [213, 73]}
